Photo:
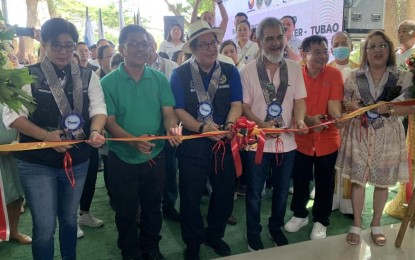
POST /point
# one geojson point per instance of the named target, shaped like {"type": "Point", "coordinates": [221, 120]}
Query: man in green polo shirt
{"type": "Point", "coordinates": [139, 103]}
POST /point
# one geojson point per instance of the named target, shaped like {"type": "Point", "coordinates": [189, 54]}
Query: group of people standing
{"type": "Point", "coordinates": [206, 94]}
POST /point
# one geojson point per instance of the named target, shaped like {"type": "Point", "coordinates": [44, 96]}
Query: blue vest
{"type": "Point", "coordinates": [222, 100]}
{"type": "Point", "coordinates": [47, 116]}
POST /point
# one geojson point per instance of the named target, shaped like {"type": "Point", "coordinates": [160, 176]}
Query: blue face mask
{"type": "Point", "coordinates": [341, 53]}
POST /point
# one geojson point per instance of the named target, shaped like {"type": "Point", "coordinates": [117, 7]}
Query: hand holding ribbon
{"type": "Point", "coordinates": [316, 120]}
{"type": "Point", "coordinates": [96, 139]}
{"type": "Point", "coordinates": [176, 132]}
{"type": "Point", "coordinates": [143, 146]}
{"type": "Point", "coordinates": [56, 136]}
{"type": "Point", "coordinates": [213, 127]}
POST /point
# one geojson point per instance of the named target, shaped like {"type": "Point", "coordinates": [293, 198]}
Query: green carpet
{"type": "Point", "coordinates": [100, 243]}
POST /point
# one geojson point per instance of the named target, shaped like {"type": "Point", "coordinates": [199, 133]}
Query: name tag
{"type": "Point", "coordinates": [223, 86]}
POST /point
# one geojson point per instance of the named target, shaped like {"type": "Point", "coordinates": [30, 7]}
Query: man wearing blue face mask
{"type": "Point", "coordinates": [341, 46]}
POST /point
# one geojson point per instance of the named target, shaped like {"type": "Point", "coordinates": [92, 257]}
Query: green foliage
{"type": "Point", "coordinates": [12, 80]}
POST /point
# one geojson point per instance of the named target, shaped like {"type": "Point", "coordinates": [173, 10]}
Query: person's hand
{"type": "Point", "coordinates": [302, 126]}
{"type": "Point", "coordinates": [354, 105]}
{"type": "Point", "coordinates": [382, 109]}
{"type": "Point", "coordinates": [143, 146]}
{"type": "Point", "coordinates": [317, 120]}
{"type": "Point", "coordinates": [270, 124]}
{"type": "Point", "coordinates": [228, 127]}
{"type": "Point", "coordinates": [96, 139]}
{"type": "Point", "coordinates": [343, 123]}
{"type": "Point", "coordinates": [55, 136]}
{"type": "Point", "coordinates": [213, 127]}
{"type": "Point", "coordinates": [176, 132]}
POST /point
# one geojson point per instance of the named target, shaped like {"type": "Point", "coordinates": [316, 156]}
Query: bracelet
{"type": "Point", "coordinates": [201, 128]}
{"type": "Point", "coordinates": [227, 123]}
{"type": "Point", "coordinates": [44, 136]}
{"type": "Point", "coordinates": [95, 130]}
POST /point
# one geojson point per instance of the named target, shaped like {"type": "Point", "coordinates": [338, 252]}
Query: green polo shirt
{"type": "Point", "coordinates": [137, 108]}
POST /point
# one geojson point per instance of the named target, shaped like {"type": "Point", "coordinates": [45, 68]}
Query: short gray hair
{"type": "Point", "coordinates": [265, 23]}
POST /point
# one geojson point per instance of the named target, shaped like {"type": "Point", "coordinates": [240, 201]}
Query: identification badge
{"type": "Point", "coordinates": [372, 115]}
{"type": "Point", "coordinates": [274, 110]}
{"type": "Point", "coordinates": [205, 110]}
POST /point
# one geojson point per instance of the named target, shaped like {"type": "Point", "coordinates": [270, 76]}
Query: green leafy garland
{"type": "Point", "coordinates": [12, 80]}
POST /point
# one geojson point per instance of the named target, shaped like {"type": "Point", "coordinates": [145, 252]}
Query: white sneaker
{"type": "Point", "coordinates": [87, 219]}
{"type": "Point", "coordinates": [291, 190]}
{"type": "Point", "coordinates": [79, 232]}
{"type": "Point", "coordinates": [294, 224]}
{"type": "Point", "coordinates": [319, 231]}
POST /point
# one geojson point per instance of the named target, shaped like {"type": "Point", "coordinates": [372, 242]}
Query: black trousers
{"type": "Point", "coordinates": [170, 187]}
{"type": "Point", "coordinates": [131, 184]}
{"type": "Point", "coordinates": [196, 165]}
{"type": "Point", "coordinates": [90, 181]}
{"type": "Point", "coordinates": [321, 169]}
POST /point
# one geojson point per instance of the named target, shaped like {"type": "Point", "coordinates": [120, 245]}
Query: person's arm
{"type": "Point", "coordinates": [194, 12]}
{"type": "Point", "coordinates": [299, 115]}
{"type": "Point", "coordinates": [22, 51]}
{"type": "Point", "coordinates": [224, 15]}
{"type": "Point", "coordinates": [170, 122]}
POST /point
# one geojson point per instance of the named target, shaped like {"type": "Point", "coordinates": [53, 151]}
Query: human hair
{"type": "Point", "coordinates": [82, 43]}
{"type": "Point", "coordinates": [241, 14]}
{"type": "Point", "coordinates": [101, 40]}
{"type": "Point", "coordinates": [392, 56]}
{"type": "Point", "coordinates": [101, 50]}
{"type": "Point", "coordinates": [181, 30]}
{"type": "Point", "coordinates": [175, 55]}
{"type": "Point", "coordinates": [116, 59]}
{"type": "Point", "coordinates": [226, 43]}
{"type": "Point", "coordinates": [349, 39]}
{"type": "Point", "coordinates": [253, 32]}
{"type": "Point", "coordinates": [293, 19]}
{"type": "Point", "coordinates": [193, 44]}
{"type": "Point", "coordinates": [313, 39]}
{"type": "Point", "coordinates": [130, 29]}
{"type": "Point", "coordinates": [409, 23]}
{"type": "Point", "coordinates": [164, 55]}
{"type": "Point", "coordinates": [245, 22]}
{"type": "Point", "coordinates": [93, 46]}
{"type": "Point", "coordinates": [54, 27]}
{"type": "Point", "coordinates": [266, 23]}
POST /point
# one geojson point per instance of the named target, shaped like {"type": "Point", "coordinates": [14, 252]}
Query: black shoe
{"type": "Point", "coordinates": [254, 242]}
{"type": "Point", "coordinates": [172, 214]}
{"type": "Point", "coordinates": [192, 253]}
{"type": "Point", "coordinates": [220, 247]}
{"type": "Point", "coordinates": [278, 237]}
{"type": "Point", "coordinates": [156, 255]}
{"type": "Point", "coordinates": [232, 220]}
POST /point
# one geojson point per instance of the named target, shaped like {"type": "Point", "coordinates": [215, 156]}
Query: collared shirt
{"type": "Point", "coordinates": [254, 97]}
{"type": "Point", "coordinates": [137, 108]}
{"type": "Point", "coordinates": [328, 85]}
{"type": "Point", "coordinates": [248, 53]}
{"type": "Point", "coordinates": [96, 102]}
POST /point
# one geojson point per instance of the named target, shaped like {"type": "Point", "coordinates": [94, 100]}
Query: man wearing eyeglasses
{"type": "Point", "coordinates": [139, 103]}
{"type": "Point", "coordinates": [317, 151]}
{"type": "Point", "coordinates": [208, 96]}
{"type": "Point", "coordinates": [274, 92]}
{"type": "Point", "coordinates": [341, 46]}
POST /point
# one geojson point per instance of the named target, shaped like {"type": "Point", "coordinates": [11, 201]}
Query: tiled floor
{"type": "Point", "coordinates": [336, 248]}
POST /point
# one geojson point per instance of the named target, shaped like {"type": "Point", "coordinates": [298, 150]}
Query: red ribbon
{"type": "Point", "coordinates": [260, 147]}
{"type": "Point", "coordinates": [217, 148]}
{"type": "Point", "coordinates": [67, 163]}
{"type": "Point", "coordinates": [279, 148]}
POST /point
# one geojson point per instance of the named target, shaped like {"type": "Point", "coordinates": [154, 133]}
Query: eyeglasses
{"type": "Point", "coordinates": [382, 47]}
{"type": "Point", "coordinates": [136, 45]}
{"type": "Point", "coordinates": [205, 46]}
{"type": "Point", "coordinates": [58, 47]}
{"type": "Point", "coordinates": [319, 53]}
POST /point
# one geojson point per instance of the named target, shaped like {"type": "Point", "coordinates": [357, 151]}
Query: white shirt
{"type": "Point", "coordinates": [254, 97]}
{"type": "Point", "coordinates": [294, 43]}
{"type": "Point", "coordinates": [97, 104]}
{"type": "Point", "coordinates": [170, 48]}
{"type": "Point", "coordinates": [401, 57]}
{"type": "Point", "coordinates": [248, 52]}
{"type": "Point", "coordinates": [169, 66]}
